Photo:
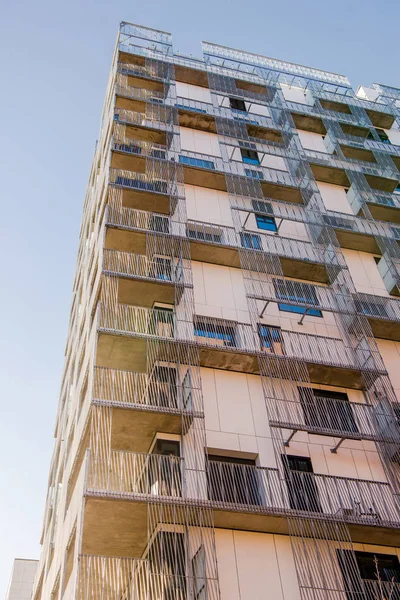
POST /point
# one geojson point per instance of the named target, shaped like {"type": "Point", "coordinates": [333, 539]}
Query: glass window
{"type": "Point", "coordinates": [262, 207]}
{"type": "Point", "coordinates": [325, 409]}
{"type": "Point", "coordinates": [254, 174]}
{"type": "Point", "coordinates": [249, 157]}
{"type": "Point", "coordinates": [270, 338]}
{"type": "Point", "coordinates": [205, 236]}
{"type": "Point", "coordinates": [297, 292]}
{"type": "Point", "coordinates": [220, 333]}
{"type": "Point", "coordinates": [251, 241]}
{"type": "Point", "coordinates": [237, 104]}
{"type": "Point", "coordinates": [266, 223]}
{"type": "Point", "coordinates": [370, 567]}
{"type": "Point", "coordinates": [199, 574]}
{"type": "Point", "coordinates": [196, 162]}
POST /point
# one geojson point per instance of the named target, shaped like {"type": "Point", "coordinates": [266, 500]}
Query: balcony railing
{"type": "Point", "coordinates": [331, 416]}
{"type": "Point", "coordinates": [237, 337]}
{"type": "Point", "coordinates": [164, 575]}
{"type": "Point", "coordinates": [139, 148]}
{"type": "Point", "coordinates": [248, 488]}
{"type": "Point", "coordinates": [163, 269]}
{"type": "Point", "coordinates": [142, 182]}
{"type": "Point", "coordinates": [156, 117]}
{"type": "Point", "coordinates": [141, 94]}
{"type": "Point", "coordinates": [161, 390]}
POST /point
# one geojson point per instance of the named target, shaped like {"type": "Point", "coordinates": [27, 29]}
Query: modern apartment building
{"type": "Point", "coordinates": [22, 579]}
{"type": "Point", "coordinates": [228, 424]}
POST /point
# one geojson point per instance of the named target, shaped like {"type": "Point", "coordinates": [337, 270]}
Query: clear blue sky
{"type": "Point", "coordinates": [55, 59]}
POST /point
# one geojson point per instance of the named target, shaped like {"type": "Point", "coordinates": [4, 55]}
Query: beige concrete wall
{"type": "Point", "coordinates": [194, 92]}
{"type": "Point", "coordinates": [296, 94]}
{"type": "Point", "coordinates": [210, 206]}
{"type": "Point", "coordinates": [364, 272]}
{"type": "Point", "coordinates": [237, 422]}
{"type": "Point", "coordinates": [390, 352]}
{"type": "Point", "coordinates": [312, 141]}
{"type": "Point", "coordinates": [200, 141]}
{"type": "Point", "coordinates": [260, 565]}
{"type": "Point", "coordinates": [256, 566]}
{"type": "Point", "coordinates": [334, 197]}
{"type": "Point", "coordinates": [219, 292]}
{"type": "Point", "coordinates": [393, 135]}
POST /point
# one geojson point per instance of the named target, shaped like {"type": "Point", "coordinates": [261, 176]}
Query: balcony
{"type": "Point", "coordinates": [144, 280]}
{"type": "Point", "coordinates": [229, 345]}
{"type": "Point", "coordinates": [383, 315]}
{"type": "Point", "coordinates": [333, 417]}
{"type": "Point", "coordinates": [144, 404]}
{"type": "Point", "coordinates": [241, 496]}
{"type": "Point", "coordinates": [142, 77]}
{"type": "Point", "coordinates": [145, 191]}
{"type": "Point", "coordinates": [152, 578]}
{"type": "Point", "coordinates": [382, 205]}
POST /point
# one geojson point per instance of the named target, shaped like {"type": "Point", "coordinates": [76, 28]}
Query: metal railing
{"type": "Point", "coordinates": [142, 182]}
{"type": "Point", "coordinates": [156, 117]}
{"type": "Point", "coordinates": [161, 390]}
{"type": "Point", "coordinates": [164, 269]}
{"type": "Point", "coordinates": [237, 337]}
{"type": "Point", "coordinates": [227, 485]}
{"type": "Point", "coordinates": [331, 416]}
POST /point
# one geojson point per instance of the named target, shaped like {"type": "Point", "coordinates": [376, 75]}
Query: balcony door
{"type": "Point", "coordinates": [163, 388]}
{"type": "Point", "coordinates": [325, 409]}
{"type": "Point", "coordinates": [233, 480]}
{"type": "Point", "coordinates": [302, 488]}
{"type": "Point", "coordinates": [165, 471]}
{"type": "Point", "coordinates": [167, 559]}
{"type": "Point", "coordinates": [369, 575]}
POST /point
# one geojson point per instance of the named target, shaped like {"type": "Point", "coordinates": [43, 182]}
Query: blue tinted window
{"type": "Point", "coordinates": [269, 335]}
{"type": "Point", "coordinates": [196, 162]}
{"type": "Point", "coordinates": [250, 240]}
{"type": "Point", "coordinates": [266, 223]}
{"type": "Point", "coordinates": [254, 174]}
{"type": "Point", "coordinates": [313, 312]}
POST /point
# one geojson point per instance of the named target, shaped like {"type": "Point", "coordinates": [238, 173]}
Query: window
{"type": "Point", "coordinates": [366, 566]}
{"type": "Point", "coordinates": [167, 556]}
{"type": "Point", "coordinates": [381, 134]}
{"type": "Point", "coordinates": [165, 477]}
{"type": "Point", "coordinates": [325, 409]}
{"type": "Point", "coordinates": [196, 162]}
{"type": "Point", "coordinates": [161, 268]}
{"type": "Point", "coordinates": [249, 157]}
{"type": "Point", "coordinates": [163, 388]}
{"type": "Point", "coordinates": [270, 338]}
{"type": "Point", "coordinates": [254, 174]}
{"type": "Point", "coordinates": [251, 241]}
{"type": "Point", "coordinates": [371, 308]}
{"type": "Point", "coordinates": [337, 222]}
{"type": "Point", "coordinates": [259, 206]}
{"type": "Point", "coordinates": [159, 223]}
{"type": "Point", "coordinates": [162, 322]}
{"type": "Point", "coordinates": [266, 223]}
{"type": "Point", "coordinates": [199, 574]}
{"type": "Point", "coordinates": [397, 189]}
{"type": "Point", "coordinates": [205, 235]}
{"type": "Point", "coordinates": [232, 480]}
{"type": "Point", "coordinates": [396, 232]}
{"type": "Point", "coordinates": [297, 292]}
{"type": "Point", "coordinates": [192, 108]}
{"type": "Point", "coordinates": [237, 104]}
{"type": "Point", "coordinates": [218, 333]}
{"type": "Point", "coordinates": [302, 488]}
{"type": "Point", "coordinates": [377, 259]}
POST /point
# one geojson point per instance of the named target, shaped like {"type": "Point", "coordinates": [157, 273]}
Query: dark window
{"type": "Point", "coordinates": [161, 268]}
{"type": "Point", "coordinates": [218, 333]}
{"type": "Point", "coordinates": [266, 223]}
{"type": "Point", "coordinates": [237, 104]}
{"type": "Point", "coordinates": [297, 292]}
{"type": "Point", "coordinates": [205, 236]}
{"type": "Point", "coordinates": [361, 572]}
{"type": "Point", "coordinates": [162, 388]}
{"type": "Point", "coordinates": [159, 223]}
{"type": "Point", "coordinates": [324, 409]}
{"type": "Point", "coordinates": [162, 322]}
{"type": "Point", "coordinates": [371, 308]}
{"type": "Point", "coordinates": [165, 473]}
{"type": "Point", "coordinates": [167, 560]}
{"type": "Point", "coordinates": [270, 338]}
{"type": "Point", "coordinates": [251, 241]}
{"type": "Point", "coordinates": [249, 157]}
{"type": "Point", "coordinates": [232, 480]}
{"type": "Point", "coordinates": [303, 492]}
{"type": "Point", "coordinates": [259, 206]}
{"type": "Point", "coordinates": [377, 259]}
{"type": "Point", "coordinates": [381, 134]}
{"type": "Point", "coordinates": [397, 189]}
